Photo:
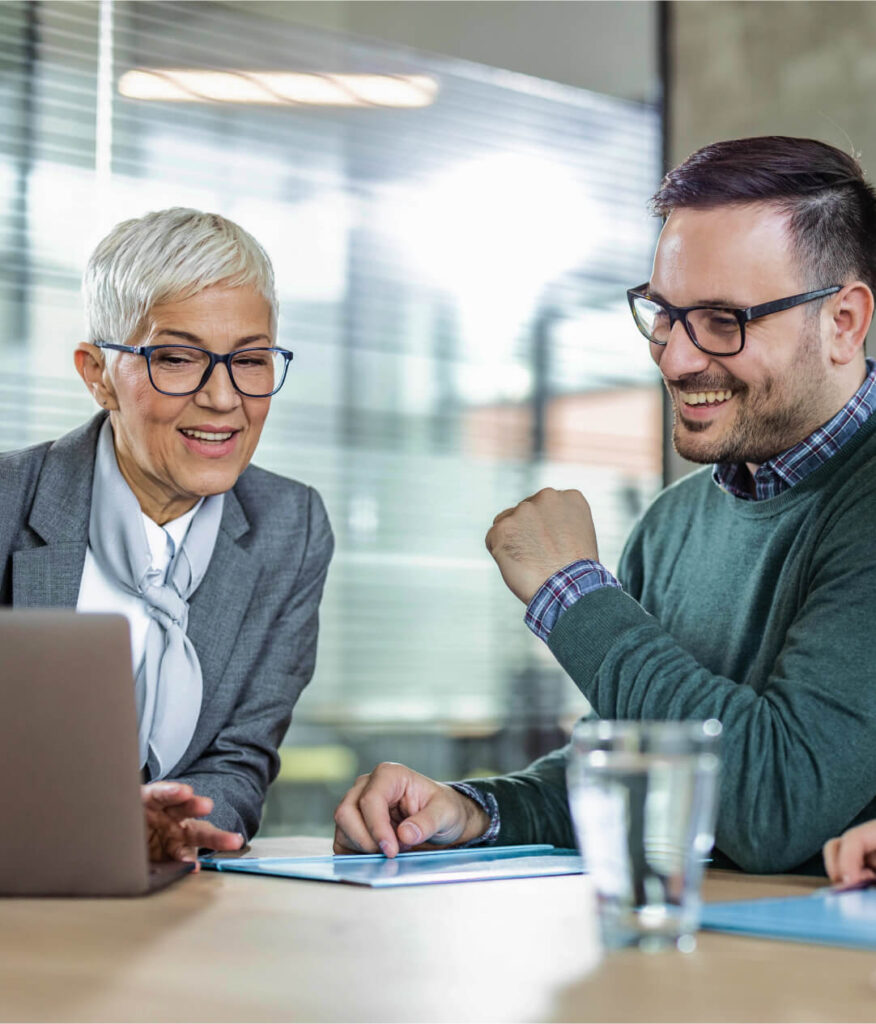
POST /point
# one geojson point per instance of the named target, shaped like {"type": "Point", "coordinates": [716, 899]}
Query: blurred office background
{"type": "Point", "coordinates": [454, 198]}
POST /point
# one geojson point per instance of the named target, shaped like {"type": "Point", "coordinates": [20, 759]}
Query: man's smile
{"type": "Point", "coordinates": [698, 408]}
{"type": "Point", "coordinates": [702, 397]}
{"type": "Point", "coordinates": [705, 397]}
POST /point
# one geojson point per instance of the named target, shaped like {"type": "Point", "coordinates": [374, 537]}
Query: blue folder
{"type": "Point", "coordinates": [826, 917]}
{"type": "Point", "coordinates": [422, 867]}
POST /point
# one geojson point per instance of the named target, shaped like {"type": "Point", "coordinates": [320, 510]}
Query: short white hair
{"type": "Point", "coordinates": [167, 256]}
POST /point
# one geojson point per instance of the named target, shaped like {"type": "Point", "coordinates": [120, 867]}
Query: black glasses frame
{"type": "Point", "coordinates": [743, 316]}
{"type": "Point", "coordinates": [147, 350]}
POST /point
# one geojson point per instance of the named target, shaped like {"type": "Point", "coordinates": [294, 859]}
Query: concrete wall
{"type": "Point", "coordinates": [773, 68]}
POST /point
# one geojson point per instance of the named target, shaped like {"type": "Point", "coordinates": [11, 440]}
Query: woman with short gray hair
{"type": "Point", "coordinates": [153, 510]}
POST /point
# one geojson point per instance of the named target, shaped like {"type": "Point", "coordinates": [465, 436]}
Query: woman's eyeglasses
{"type": "Point", "coordinates": [181, 370]}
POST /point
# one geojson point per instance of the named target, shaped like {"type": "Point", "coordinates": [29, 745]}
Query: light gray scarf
{"type": "Point", "coordinates": [169, 686]}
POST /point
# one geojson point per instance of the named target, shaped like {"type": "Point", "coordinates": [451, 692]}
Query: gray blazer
{"type": "Point", "coordinates": [253, 620]}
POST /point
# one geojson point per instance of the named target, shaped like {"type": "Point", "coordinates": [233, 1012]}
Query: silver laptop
{"type": "Point", "coordinates": [71, 819]}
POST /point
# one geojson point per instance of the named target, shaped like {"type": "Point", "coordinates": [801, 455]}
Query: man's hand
{"type": "Point", "coordinates": [531, 541]}
{"type": "Point", "coordinates": [851, 858]}
{"type": "Point", "coordinates": [172, 829]}
{"type": "Point", "coordinates": [395, 808]}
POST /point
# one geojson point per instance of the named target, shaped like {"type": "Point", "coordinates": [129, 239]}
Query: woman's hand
{"type": "Point", "coordinates": [172, 829]}
{"type": "Point", "coordinates": [851, 858]}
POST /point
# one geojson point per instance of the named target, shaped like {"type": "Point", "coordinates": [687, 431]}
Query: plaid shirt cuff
{"type": "Point", "coordinates": [487, 803]}
{"type": "Point", "coordinates": [562, 590]}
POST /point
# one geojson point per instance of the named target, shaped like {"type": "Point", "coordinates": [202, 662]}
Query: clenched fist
{"type": "Point", "coordinates": [531, 541]}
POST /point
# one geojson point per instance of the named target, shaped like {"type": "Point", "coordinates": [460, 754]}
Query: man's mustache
{"type": "Point", "coordinates": [705, 382]}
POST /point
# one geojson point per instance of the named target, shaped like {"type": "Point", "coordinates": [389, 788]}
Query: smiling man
{"type": "Point", "coordinates": [747, 591]}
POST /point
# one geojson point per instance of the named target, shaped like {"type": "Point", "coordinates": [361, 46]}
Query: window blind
{"type": "Point", "coordinates": [451, 280]}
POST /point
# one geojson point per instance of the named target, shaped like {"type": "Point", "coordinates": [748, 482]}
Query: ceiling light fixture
{"type": "Point", "coordinates": [278, 88]}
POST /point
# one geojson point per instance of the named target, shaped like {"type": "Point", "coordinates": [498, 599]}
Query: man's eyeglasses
{"type": "Point", "coordinates": [181, 370]}
{"type": "Point", "coordinates": [716, 330]}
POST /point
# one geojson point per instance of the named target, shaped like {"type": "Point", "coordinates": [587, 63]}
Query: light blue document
{"type": "Point", "coordinates": [826, 917]}
{"type": "Point", "coordinates": [422, 867]}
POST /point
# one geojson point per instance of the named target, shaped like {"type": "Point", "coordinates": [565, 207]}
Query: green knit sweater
{"type": "Point", "coordinates": [761, 614]}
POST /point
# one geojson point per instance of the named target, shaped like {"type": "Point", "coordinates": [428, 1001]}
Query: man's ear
{"type": "Point", "coordinates": [852, 313]}
{"type": "Point", "coordinates": [91, 367]}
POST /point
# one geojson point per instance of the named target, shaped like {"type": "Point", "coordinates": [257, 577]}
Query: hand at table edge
{"type": "Point", "coordinates": [174, 826]}
{"type": "Point", "coordinates": [850, 859]}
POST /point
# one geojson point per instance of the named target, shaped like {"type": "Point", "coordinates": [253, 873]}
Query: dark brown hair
{"type": "Point", "coordinates": [831, 207]}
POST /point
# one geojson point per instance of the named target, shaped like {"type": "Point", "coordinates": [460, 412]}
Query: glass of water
{"type": "Point", "coordinates": [643, 797]}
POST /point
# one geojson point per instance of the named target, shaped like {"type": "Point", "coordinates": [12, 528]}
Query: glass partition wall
{"type": "Point", "coordinates": [452, 244]}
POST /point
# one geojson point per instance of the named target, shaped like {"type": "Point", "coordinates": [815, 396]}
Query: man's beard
{"type": "Point", "coordinates": [769, 418]}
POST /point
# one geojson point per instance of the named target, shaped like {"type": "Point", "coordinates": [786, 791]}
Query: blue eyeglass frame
{"type": "Point", "coordinates": [743, 316]}
{"type": "Point", "coordinates": [147, 350]}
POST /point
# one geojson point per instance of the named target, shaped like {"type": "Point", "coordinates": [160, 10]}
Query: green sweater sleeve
{"type": "Point", "coordinates": [798, 747]}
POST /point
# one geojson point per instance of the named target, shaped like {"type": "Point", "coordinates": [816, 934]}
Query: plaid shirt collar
{"type": "Point", "coordinates": [788, 468]}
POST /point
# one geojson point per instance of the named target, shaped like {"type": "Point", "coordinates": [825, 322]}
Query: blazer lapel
{"type": "Point", "coordinates": [49, 576]}
{"type": "Point", "coordinates": [217, 607]}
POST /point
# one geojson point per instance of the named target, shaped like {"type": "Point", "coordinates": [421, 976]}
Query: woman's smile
{"type": "Point", "coordinates": [209, 441]}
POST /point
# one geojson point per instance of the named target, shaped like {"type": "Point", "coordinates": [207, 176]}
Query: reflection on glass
{"type": "Point", "coordinates": [452, 281]}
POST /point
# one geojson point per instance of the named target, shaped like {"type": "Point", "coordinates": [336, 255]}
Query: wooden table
{"type": "Point", "coordinates": [220, 947]}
